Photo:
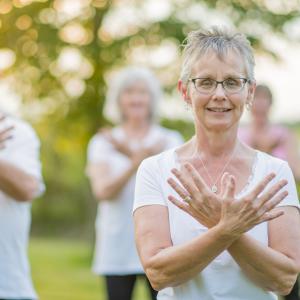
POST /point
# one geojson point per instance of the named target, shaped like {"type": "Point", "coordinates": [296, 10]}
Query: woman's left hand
{"type": "Point", "coordinates": [206, 205]}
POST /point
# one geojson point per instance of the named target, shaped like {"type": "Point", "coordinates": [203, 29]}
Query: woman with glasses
{"type": "Point", "coordinates": [214, 218]}
{"type": "Point", "coordinates": [113, 158]}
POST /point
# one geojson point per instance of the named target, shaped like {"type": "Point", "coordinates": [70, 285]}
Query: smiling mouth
{"type": "Point", "coordinates": [218, 109]}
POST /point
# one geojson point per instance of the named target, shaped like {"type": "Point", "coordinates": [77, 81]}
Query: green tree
{"type": "Point", "coordinates": [64, 51]}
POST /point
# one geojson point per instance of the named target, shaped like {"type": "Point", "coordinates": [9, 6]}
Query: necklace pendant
{"type": "Point", "coordinates": [214, 189]}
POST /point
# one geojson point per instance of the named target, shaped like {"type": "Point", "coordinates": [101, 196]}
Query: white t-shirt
{"type": "Point", "coordinates": [21, 151]}
{"type": "Point", "coordinates": [222, 279]}
{"type": "Point", "coordinates": [115, 251]}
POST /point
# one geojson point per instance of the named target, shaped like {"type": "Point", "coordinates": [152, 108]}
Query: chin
{"type": "Point", "coordinates": [220, 126]}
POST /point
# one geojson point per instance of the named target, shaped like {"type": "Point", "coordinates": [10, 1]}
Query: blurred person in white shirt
{"type": "Point", "coordinates": [20, 182]}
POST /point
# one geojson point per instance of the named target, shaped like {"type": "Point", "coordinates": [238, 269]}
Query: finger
{"type": "Point", "coordinates": [199, 182]}
{"type": "Point", "coordinates": [272, 192]}
{"type": "Point", "coordinates": [223, 183]}
{"type": "Point", "coordinates": [177, 188]}
{"type": "Point", "coordinates": [5, 138]}
{"type": "Point", "coordinates": [271, 216]}
{"type": "Point", "coordinates": [274, 202]}
{"type": "Point", "coordinates": [261, 186]}
{"type": "Point", "coordinates": [186, 182]}
{"type": "Point", "coordinates": [230, 188]}
{"type": "Point", "coordinates": [7, 129]}
{"type": "Point", "coordinates": [180, 204]}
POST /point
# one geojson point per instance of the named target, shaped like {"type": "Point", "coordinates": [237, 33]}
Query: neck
{"type": "Point", "coordinates": [258, 125]}
{"type": "Point", "coordinates": [136, 127]}
{"type": "Point", "coordinates": [215, 144]}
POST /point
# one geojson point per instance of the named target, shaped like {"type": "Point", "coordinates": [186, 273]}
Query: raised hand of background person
{"type": "Point", "coordinates": [5, 132]}
{"type": "Point", "coordinates": [236, 215]}
{"type": "Point", "coordinates": [121, 147]}
{"type": "Point", "coordinates": [140, 154]}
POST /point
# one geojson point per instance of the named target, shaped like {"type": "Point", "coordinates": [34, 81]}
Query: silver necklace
{"type": "Point", "coordinates": [214, 187]}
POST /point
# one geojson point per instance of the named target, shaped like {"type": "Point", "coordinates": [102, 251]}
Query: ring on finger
{"type": "Point", "coordinates": [187, 198]}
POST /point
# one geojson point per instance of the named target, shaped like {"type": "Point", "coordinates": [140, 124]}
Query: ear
{"type": "Point", "coordinates": [184, 91]}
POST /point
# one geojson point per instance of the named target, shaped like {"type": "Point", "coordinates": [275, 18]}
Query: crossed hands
{"type": "Point", "coordinates": [5, 134]}
{"type": "Point", "coordinates": [136, 156]}
{"type": "Point", "coordinates": [237, 216]}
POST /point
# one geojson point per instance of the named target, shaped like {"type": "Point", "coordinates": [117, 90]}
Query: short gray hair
{"type": "Point", "coordinates": [220, 41]}
{"type": "Point", "coordinates": [125, 79]}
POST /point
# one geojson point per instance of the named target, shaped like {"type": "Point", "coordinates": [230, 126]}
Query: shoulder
{"type": "Point", "coordinates": [269, 160]}
{"type": "Point", "coordinates": [100, 140]}
{"type": "Point", "coordinates": [171, 137]}
{"type": "Point", "coordinates": [168, 132]}
{"type": "Point", "coordinates": [22, 130]}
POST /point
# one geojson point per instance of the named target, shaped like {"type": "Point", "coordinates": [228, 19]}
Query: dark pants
{"type": "Point", "coordinates": [121, 287]}
{"type": "Point", "coordinates": [294, 294]}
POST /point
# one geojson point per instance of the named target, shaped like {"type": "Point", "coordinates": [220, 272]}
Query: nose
{"type": "Point", "coordinates": [219, 92]}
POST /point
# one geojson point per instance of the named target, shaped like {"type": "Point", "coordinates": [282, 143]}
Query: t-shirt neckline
{"type": "Point", "coordinates": [249, 181]}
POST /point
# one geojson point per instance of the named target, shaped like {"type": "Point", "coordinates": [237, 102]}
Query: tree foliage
{"type": "Point", "coordinates": [64, 51]}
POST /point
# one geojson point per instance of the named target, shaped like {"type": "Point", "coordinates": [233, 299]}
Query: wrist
{"type": "Point", "coordinates": [225, 233]}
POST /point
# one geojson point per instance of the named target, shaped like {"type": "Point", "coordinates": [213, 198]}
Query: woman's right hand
{"type": "Point", "coordinates": [240, 215]}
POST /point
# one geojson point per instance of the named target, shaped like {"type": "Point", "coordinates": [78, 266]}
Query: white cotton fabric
{"type": "Point", "coordinates": [115, 252]}
{"type": "Point", "coordinates": [222, 279]}
{"type": "Point", "coordinates": [21, 151]}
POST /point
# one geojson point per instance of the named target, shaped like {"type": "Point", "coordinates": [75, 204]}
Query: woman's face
{"type": "Point", "coordinates": [261, 108]}
{"type": "Point", "coordinates": [135, 102]}
{"type": "Point", "coordinates": [218, 110]}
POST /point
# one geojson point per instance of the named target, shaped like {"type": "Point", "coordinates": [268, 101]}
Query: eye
{"type": "Point", "coordinates": [232, 82]}
{"type": "Point", "coordinates": [204, 83]}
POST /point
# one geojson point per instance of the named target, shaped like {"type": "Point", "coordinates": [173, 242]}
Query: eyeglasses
{"type": "Point", "coordinates": [208, 85]}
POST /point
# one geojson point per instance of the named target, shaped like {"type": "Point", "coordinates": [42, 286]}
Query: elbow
{"type": "Point", "coordinates": [103, 194]}
{"type": "Point", "coordinates": [155, 280]}
{"type": "Point", "coordinates": [28, 190]}
{"type": "Point", "coordinates": [158, 277]}
{"type": "Point", "coordinates": [285, 286]}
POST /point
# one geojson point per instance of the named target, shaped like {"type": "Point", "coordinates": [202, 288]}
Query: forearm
{"type": "Point", "coordinates": [112, 186]}
{"type": "Point", "coordinates": [268, 268]}
{"type": "Point", "coordinates": [177, 264]}
{"type": "Point", "coordinates": [16, 183]}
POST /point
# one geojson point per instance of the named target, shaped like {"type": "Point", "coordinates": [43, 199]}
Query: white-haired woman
{"type": "Point", "coordinates": [215, 219]}
{"type": "Point", "coordinates": [113, 158]}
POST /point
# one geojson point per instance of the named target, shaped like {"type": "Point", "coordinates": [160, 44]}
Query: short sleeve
{"type": "Point", "coordinates": [285, 172]}
{"type": "Point", "coordinates": [148, 187]}
{"type": "Point", "coordinates": [24, 152]}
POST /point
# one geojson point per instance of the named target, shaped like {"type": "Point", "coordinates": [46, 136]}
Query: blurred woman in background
{"type": "Point", "coordinates": [274, 139]}
{"type": "Point", "coordinates": [113, 158]}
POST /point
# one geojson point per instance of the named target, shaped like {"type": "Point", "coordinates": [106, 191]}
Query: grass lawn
{"type": "Point", "coordinates": [61, 270]}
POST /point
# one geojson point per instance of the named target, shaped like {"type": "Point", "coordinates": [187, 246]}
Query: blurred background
{"type": "Point", "coordinates": [56, 58]}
